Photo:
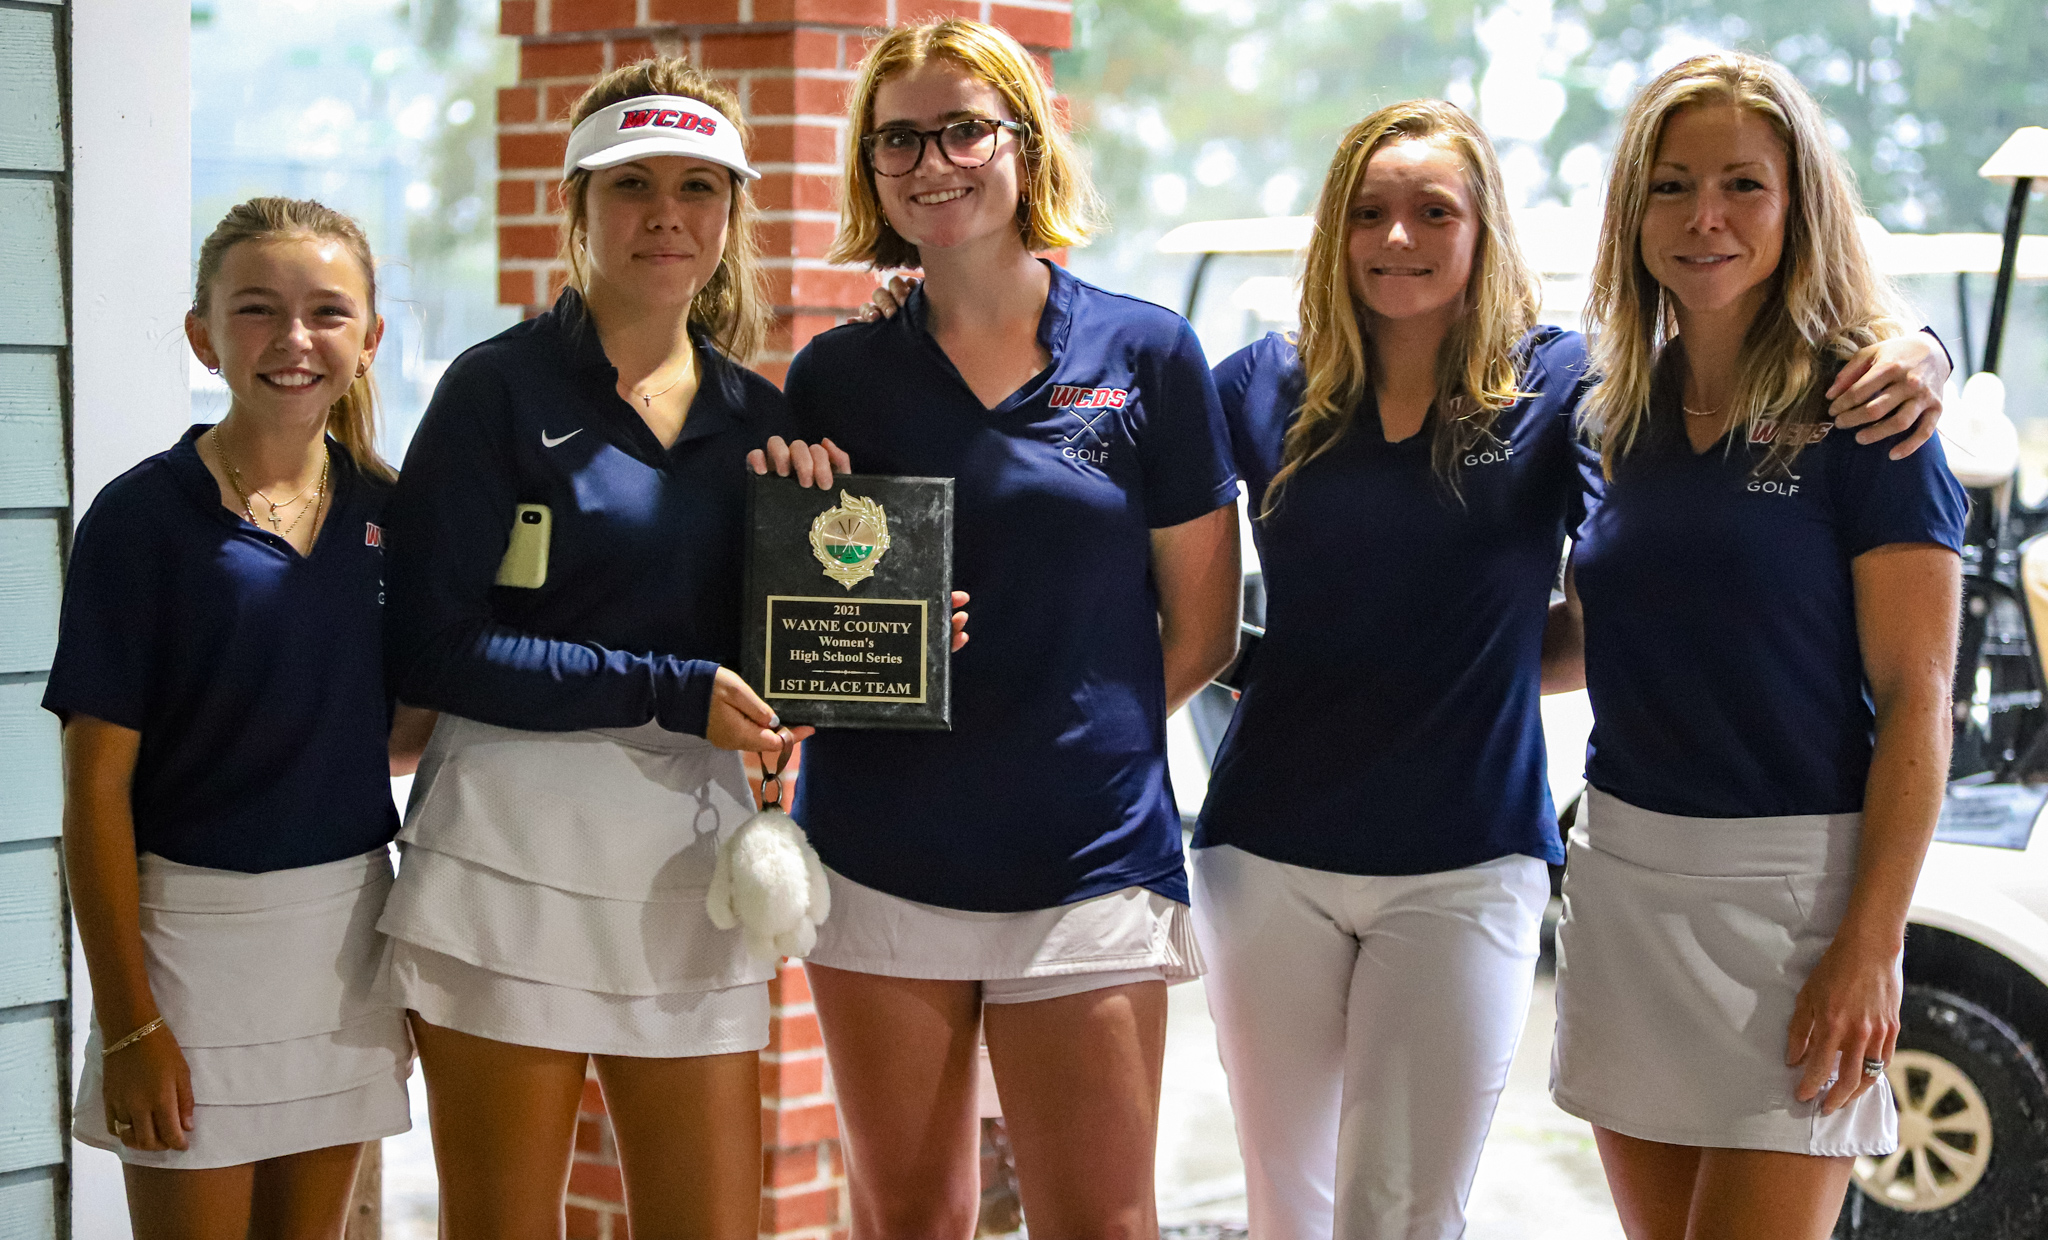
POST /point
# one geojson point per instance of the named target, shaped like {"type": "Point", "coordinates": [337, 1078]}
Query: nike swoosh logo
{"type": "Point", "coordinates": [545, 442]}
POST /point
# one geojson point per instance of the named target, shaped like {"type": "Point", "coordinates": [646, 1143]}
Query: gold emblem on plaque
{"type": "Point", "coordinates": [850, 539]}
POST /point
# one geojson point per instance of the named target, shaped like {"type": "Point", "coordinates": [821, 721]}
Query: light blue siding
{"type": "Point", "coordinates": [31, 129]}
{"type": "Point", "coordinates": [31, 430]}
{"type": "Point", "coordinates": [28, 1204]}
{"type": "Point", "coordinates": [31, 591]}
{"type": "Point", "coordinates": [31, 924]}
{"type": "Point", "coordinates": [33, 1059]}
{"type": "Point", "coordinates": [32, 793]}
{"type": "Point", "coordinates": [31, 272]}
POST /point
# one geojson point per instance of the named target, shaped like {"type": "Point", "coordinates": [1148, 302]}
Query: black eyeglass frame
{"type": "Point", "coordinates": [924, 136]}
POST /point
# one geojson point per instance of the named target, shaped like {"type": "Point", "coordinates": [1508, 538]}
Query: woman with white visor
{"type": "Point", "coordinates": [564, 587]}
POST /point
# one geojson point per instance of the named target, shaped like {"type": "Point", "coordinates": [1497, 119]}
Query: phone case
{"type": "Point", "coordinates": [525, 566]}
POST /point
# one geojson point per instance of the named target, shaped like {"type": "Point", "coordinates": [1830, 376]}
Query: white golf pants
{"type": "Point", "coordinates": [1366, 1025]}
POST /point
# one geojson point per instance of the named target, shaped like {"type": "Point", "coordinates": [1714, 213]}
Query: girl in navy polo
{"type": "Point", "coordinates": [1371, 921]}
{"type": "Point", "coordinates": [1022, 873]}
{"type": "Point", "coordinates": [227, 783]}
{"type": "Point", "coordinates": [565, 584]}
{"type": "Point", "coordinates": [1770, 616]}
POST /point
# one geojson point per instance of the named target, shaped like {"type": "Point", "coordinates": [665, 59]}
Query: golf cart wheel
{"type": "Point", "coordinates": [1973, 1131]}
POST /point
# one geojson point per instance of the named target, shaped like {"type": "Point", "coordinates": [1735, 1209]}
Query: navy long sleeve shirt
{"type": "Point", "coordinates": [641, 603]}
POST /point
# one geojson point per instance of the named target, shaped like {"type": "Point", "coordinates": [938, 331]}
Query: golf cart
{"type": "Point", "coordinates": [1969, 1072]}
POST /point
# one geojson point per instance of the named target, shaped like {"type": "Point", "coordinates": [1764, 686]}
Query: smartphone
{"type": "Point", "coordinates": [525, 566]}
{"type": "Point", "coordinates": [1239, 673]}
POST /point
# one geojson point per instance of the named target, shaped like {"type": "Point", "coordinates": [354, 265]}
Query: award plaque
{"type": "Point", "coordinates": [848, 621]}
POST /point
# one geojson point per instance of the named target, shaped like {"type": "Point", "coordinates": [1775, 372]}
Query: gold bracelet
{"type": "Point", "coordinates": [135, 1037]}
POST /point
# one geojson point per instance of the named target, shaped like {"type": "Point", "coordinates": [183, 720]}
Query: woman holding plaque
{"type": "Point", "coordinates": [565, 558]}
{"type": "Point", "coordinates": [1770, 614]}
{"type": "Point", "coordinates": [1021, 874]}
{"type": "Point", "coordinates": [1371, 928]}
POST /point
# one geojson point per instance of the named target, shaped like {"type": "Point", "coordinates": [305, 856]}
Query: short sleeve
{"type": "Point", "coordinates": [1879, 501]}
{"type": "Point", "coordinates": [106, 638]}
{"type": "Point", "coordinates": [1183, 446]}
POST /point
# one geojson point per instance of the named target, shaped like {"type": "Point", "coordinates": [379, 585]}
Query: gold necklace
{"type": "Point", "coordinates": [647, 399]}
{"type": "Point", "coordinates": [319, 490]}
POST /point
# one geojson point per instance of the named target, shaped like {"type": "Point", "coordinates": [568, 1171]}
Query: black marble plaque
{"type": "Point", "coordinates": [847, 622]}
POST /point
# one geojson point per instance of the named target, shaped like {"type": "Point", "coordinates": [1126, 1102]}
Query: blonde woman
{"type": "Point", "coordinates": [1769, 611]}
{"type": "Point", "coordinates": [1022, 873]}
{"type": "Point", "coordinates": [227, 809]}
{"type": "Point", "coordinates": [550, 908]}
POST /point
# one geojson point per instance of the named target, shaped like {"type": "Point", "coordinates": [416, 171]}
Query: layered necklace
{"type": "Point", "coordinates": [318, 491]}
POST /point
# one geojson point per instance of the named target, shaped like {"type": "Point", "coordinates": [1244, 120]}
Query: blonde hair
{"type": "Point", "coordinates": [1825, 298]}
{"type": "Point", "coordinates": [352, 419]}
{"type": "Point", "coordinates": [1475, 367]}
{"type": "Point", "coordinates": [732, 307]}
{"type": "Point", "coordinates": [1058, 206]}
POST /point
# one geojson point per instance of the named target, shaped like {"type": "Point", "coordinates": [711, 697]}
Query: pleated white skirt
{"type": "Point", "coordinates": [1683, 946]}
{"type": "Point", "coordinates": [551, 893]}
{"type": "Point", "coordinates": [268, 982]}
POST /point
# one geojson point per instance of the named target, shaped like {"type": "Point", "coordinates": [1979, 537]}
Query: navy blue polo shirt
{"type": "Point", "coordinates": [1721, 649]}
{"type": "Point", "coordinates": [1052, 785]}
{"type": "Point", "coordinates": [1404, 615]}
{"type": "Point", "coordinates": [641, 604]}
{"type": "Point", "coordinates": [254, 674]}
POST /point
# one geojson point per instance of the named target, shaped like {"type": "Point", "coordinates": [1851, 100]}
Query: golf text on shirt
{"type": "Point", "coordinates": [1412, 612]}
{"type": "Point", "coordinates": [1722, 655]}
{"type": "Point", "coordinates": [1052, 785]}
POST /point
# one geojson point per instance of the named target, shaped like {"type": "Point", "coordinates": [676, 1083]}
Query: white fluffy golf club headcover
{"type": "Point", "coordinates": [770, 884]}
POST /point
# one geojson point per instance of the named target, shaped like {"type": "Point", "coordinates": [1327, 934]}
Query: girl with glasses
{"type": "Point", "coordinates": [1021, 875]}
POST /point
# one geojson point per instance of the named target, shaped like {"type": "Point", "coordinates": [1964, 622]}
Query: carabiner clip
{"type": "Point", "coordinates": [774, 775]}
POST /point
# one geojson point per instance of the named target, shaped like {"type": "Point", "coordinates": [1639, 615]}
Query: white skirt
{"type": "Point", "coordinates": [1683, 946]}
{"type": "Point", "coordinates": [268, 983]}
{"type": "Point", "coordinates": [1110, 940]}
{"type": "Point", "coordinates": [551, 892]}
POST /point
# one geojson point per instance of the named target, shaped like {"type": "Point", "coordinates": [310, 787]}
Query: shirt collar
{"type": "Point", "coordinates": [1053, 321]}
{"type": "Point", "coordinates": [721, 393]}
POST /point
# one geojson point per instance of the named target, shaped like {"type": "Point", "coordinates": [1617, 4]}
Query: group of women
{"type": "Point", "coordinates": [1761, 604]}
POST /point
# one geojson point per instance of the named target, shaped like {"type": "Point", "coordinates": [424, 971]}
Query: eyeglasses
{"type": "Point", "coordinates": [897, 151]}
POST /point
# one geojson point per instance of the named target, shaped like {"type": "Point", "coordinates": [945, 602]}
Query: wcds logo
{"type": "Point", "coordinates": [1766, 431]}
{"type": "Point", "coordinates": [1074, 400]}
{"type": "Point", "coordinates": [1065, 396]}
{"type": "Point", "coordinates": [667, 118]}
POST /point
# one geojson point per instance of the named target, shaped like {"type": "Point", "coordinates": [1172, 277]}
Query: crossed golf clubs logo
{"type": "Point", "coordinates": [1088, 424]}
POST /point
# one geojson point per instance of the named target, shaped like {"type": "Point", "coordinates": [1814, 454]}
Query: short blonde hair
{"type": "Point", "coordinates": [1825, 299]}
{"type": "Point", "coordinates": [1475, 368]}
{"type": "Point", "coordinates": [732, 307]}
{"type": "Point", "coordinates": [1059, 205]}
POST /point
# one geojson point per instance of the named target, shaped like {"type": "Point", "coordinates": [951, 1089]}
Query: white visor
{"type": "Point", "coordinates": [656, 125]}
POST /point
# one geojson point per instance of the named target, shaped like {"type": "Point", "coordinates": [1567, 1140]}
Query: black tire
{"type": "Point", "coordinates": [2007, 1201]}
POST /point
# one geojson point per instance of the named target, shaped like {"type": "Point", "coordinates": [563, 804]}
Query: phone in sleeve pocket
{"type": "Point", "coordinates": [525, 566]}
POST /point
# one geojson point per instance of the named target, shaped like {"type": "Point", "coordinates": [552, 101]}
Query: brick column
{"type": "Point", "coordinates": [791, 62]}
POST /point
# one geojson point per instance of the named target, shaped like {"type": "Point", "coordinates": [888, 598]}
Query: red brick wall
{"type": "Point", "coordinates": [791, 62]}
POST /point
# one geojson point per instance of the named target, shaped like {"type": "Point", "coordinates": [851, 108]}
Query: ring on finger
{"type": "Point", "coordinates": [1873, 1067]}
{"type": "Point", "coordinates": [121, 1127]}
